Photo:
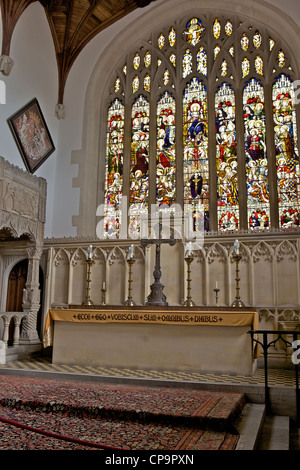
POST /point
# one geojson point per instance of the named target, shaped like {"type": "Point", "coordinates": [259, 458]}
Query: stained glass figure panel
{"type": "Point", "coordinates": [139, 164]}
{"type": "Point", "coordinates": [195, 148]}
{"type": "Point", "coordinates": [256, 156]}
{"type": "Point", "coordinates": [202, 61]}
{"type": "Point", "coordinates": [187, 63]}
{"type": "Point", "coordinates": [165, 153]}
{"type": "Point", "coordinates": [287, 155]}
{"type": "Point", "coordinates": [114, 169]}
{"type": "Point", "coordinates": [226, 160]}
{"type": "Point", "coordinates": [194, 31]}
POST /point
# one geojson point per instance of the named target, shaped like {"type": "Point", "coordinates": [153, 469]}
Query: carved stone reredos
{"type": "Point", "coordinates": [22, 202]}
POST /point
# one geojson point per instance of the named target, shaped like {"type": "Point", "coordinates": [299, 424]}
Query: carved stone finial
{"type": "Point", "coordinates": [6, 64]}
{"type": "Point", "coordinates": [60, 111]}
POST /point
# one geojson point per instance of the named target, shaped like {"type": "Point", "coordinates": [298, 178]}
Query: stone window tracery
{"type": "Point", "coordinates": [209, 104]}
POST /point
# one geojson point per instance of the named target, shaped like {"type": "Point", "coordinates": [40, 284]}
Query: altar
{"type": "Point", "coordinates": [193, 339]}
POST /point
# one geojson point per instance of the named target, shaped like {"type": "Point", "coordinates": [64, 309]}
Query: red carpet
{"type": "Point", "coordinates": [42, 414]}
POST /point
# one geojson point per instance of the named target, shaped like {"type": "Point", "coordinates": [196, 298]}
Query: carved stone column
{"type": "Point", "coordinates": [31, 297]}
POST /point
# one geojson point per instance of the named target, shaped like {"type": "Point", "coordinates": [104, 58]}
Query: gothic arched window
{"type": "Point", "coordinates": [202, 114]}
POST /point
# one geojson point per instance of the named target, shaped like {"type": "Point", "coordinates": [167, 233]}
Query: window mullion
{"type": "Point", "coordinates": [241, 158]}
{"type": "Point", "coordinates": [213, 220]}
{"type": "Point", "coordinates": [126, 163]}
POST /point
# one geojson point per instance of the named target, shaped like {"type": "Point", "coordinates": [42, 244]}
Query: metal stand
{"type": "Point", "coordinates": [217, 292]}
{"type": "Point", "coordinates": [130, 301]}
{"type": "Point", "coordinates": [88, 300]}
{"type": "Point", "coordinates": [189, 302]}
{"type": "Point", "coordinates": [157, 297]}
{"type": "Point", "coordinates": [237, 302]}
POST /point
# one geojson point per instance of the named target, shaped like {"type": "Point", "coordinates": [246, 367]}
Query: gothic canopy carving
{"type": "Point", "coordinates": [73, 23]}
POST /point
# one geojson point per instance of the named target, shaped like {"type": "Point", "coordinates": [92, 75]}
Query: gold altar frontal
{"type": "Point", "coordinates": [202, 339]}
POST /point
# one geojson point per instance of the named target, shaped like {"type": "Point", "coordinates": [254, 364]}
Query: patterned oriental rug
{"type": "Point", "coordinates": [40, 414]}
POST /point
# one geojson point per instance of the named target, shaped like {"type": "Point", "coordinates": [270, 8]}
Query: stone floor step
{"type": "Point", "coordinates": [275, 434]}
{"type": "Point", "coordinates": [249, 426]}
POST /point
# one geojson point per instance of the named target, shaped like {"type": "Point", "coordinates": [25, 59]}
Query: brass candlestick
{"type": "Point", "coordinates": [237, 302]}
{"type": "Point", "coordinates": [130, 300]}
{"type": "Point", "coordinates": [217, 292]}
{"type": "Point", "coordinates": [88, 300]}
{"type": "Point", "coordinates": [189, 302]}
{"type": "Point", "coordinates": [103, 296]}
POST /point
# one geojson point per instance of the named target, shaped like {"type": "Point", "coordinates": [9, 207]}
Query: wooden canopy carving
{"type": "Point", "coordinates": [73, 23]}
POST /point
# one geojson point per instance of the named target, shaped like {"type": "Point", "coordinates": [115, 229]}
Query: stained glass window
{"type": "Point", "coordinates": [173, 59]}
{"type": "Point", "coordinates": [117, 86]}
{"type": "Point", "coordinates": [245, 67]}
{"type": "Point", "coordinates": [228, 28]}
{"type": "Point", "coordinates": [161, 41]}
{"type": "Point", "coordinates": [179, 72]}
{"type": "Point", "coordinates": [224, 68]}
{"type": "Point", "coordinates": [172, 37]}
{"type": "Point", "coordinates": [194, 31]}
{"type": "Point", "coordinates": [136, 61]}
{"type": "Point", "coordinates": [195, 152]}
{"type": "Point", "coordinates": [226, 159]}
{"type": "Point", "coordinates": [287, 156]}
{"type": "Point", "coordinates": [256, 155]}
{"type": "Point", "coordinates": [257, 40]}
{"type": "Point", "coordinates": [216, 51]}
{"type": "Point", "coordinates": [281, 58]}
{"type": "Point", "coordinates": [135, 84]}
{"type": "Point", "coordinates": [244, 42]}
{"type": "Point", "coordinates": [147, 82]}
{"type": "Point", "coordinates": [166, 78]}
{"type": "Point", "coordinates": [147, 59]}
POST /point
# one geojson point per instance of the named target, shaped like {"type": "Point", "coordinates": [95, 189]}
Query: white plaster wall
{"type": "Point", "coordinates": [35, 75]}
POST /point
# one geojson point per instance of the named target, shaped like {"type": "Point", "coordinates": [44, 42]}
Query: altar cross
{"type": "Point", "coordinates": [157, 297]}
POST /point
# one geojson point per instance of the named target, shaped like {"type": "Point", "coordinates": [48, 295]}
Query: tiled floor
{"type": "Point", "coordinates": [282, 377]}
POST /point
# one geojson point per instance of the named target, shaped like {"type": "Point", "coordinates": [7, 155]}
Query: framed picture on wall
{"type": "Point", "coordinates": [31, 134]}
